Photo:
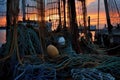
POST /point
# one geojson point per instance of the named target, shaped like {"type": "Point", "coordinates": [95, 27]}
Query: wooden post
{"type": "Point", "coordinates": [98, 13]}
{"type": "Point", "coordinates": [59, 11]}
{"type": "Point", "coordinates": [64, 6]}
{"type": "Point", "coordinates": [89, 23]}
{"type": "Point", "coordinates": [23, 9]}
{"type": "Point", "coordinates": [74, 26]}
{"type": "Point", "coordinates": [84, 10]}
{"type": "Point", "coordinates": [108, 17]}
{"type": "Point", "coordinates": [8, 18]}
{"type": "Point", "coordinates": [42, 28]}
{"type": "Point", "coordinates": [108, 22]}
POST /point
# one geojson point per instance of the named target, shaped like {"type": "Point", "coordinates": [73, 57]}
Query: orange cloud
{"type": "Point", "coordinates": [94, 19]}
{"type": "Point", "coordinates": [92, 11]}
{"type": "Point", "coordinates": [2, 21]}
{"type": "Point", "coordinates": [90, 1]}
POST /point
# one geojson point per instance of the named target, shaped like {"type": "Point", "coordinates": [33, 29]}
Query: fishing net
{"type": "Point", "coordinates": [28, 42]}
{"type": "Point", "coordinates": [29, 46]}
{"type": "Point", "coordinates": [35, 72]}
{"type": "Point", "coordinates": [90, 74]}
{"type": "Point", "coordinates": [103, 63]}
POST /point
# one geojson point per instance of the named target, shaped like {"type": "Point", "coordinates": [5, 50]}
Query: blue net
{"type": "Point", "coordinates": [90, 74]}
{"type": "Point", "coordinates": [35, 72]}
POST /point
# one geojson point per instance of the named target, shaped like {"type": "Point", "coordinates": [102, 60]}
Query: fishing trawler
{"type": "Point", "coordinates": [62, 54]}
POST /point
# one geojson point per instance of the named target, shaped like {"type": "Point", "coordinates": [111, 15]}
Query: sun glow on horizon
{"type": "Point", "coordinates": [2, 21]}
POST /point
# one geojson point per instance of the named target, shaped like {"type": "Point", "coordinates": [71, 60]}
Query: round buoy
{"type": "Point", "coordinates": [61, 41]}
{"type": "Point", "coordinates": [52, 51]}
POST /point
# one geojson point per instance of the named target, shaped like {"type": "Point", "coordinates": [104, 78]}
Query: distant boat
{"type": "Point", "coordinates": [115, 35]}
{"type": "Point", "coordinates": [92, 28]}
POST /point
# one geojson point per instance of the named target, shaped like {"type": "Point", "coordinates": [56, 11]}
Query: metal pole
{"type": "Point", "coordinates": [98, 14]}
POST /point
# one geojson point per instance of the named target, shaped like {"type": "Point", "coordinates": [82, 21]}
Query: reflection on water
{"type": "Point", "coordinates": [2, 37]}
{"type": "Point", "coordinates": [93, 35]}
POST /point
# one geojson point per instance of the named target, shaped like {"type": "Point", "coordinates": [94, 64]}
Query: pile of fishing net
{"type": "Point", "coordinates": [28, 42]}
{"type": "Point", "coordinates": [111, 65]}
{"type": "Point", "coordinates": [63, 66]}
{"type": "Point", "coordinates": [90, 74]}
{"type": "Point", "coordinates": [34, 72]}
{"type": "Point", "coordinates": [107, 67]}
{"type": "Point", "coordinates": [81, 67]}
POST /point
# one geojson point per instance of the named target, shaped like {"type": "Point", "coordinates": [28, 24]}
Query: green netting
{"type": "Point", "coordinates": [29, 44]}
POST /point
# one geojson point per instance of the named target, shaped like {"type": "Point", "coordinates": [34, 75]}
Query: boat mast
{"type": "Point", "coordinates": [84, 10]}
{"type": "Point", "coordinates": [8, 18]}
{"type": "Point", "coordinates": [84, 13]}
{"type": "Point", "coordinates": [23, 9]}
{"type": "Point", "coordinates": [108, 17]}
{"type": "Point", "coordinates": [59, 13]}
{"type": "Point", "coordinates": [42, 29]}
{"type": "Point", "coordinates": [64, 6]}
{"type": "Point", "coordinates": [59, 9]}
{"type": "Point", "coordinates": [74, 26]}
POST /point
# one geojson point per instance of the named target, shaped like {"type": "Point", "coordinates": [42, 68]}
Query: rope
{"type": "Point", "coordinates": [40, 38]}
{"type": "Point", "coordinates": [117, 8]}
{"type": "Point", "coordinates": [63, 64]}
{"type": "Point", "coordinates": [100, 50]}
{"type": "Point", "coordinates": [18, 77]}
{"type": "Point", "coordinates": [112, 48]}
{"type": "Point", "coordinates": [16, 44]}
{"type": "Point", "coordinates": [11, 49]}
{"type": "Point", "coordinates": [90, 74]}
{"type": "Point", "coordinates": [114, 11]}
{"type": "Point", "coordinates": [37, 72]}
{"type": "Point", "coordinates": [88, 45]}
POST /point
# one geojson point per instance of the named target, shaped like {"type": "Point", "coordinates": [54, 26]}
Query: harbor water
{"type": "Point", "coordinates": [2, 37]}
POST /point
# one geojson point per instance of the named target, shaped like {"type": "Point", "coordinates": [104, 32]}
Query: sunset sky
{"type": "Point", "coordinates": [91, 9]}
{"type": "Point", "coordinates": [93, 12]}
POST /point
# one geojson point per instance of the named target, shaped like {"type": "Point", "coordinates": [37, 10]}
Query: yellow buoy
{"type": "Point", "coordinates": [52, 51]}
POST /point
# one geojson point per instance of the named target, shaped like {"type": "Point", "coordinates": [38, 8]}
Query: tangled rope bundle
{"type": "Point", "coordinates": [90, 74]}
{"type": "Point", "coordinates": [36, 72]}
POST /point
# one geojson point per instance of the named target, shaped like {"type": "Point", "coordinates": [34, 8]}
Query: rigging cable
{"type": "Point", "coordinates": [113, 10]}
{"type": "Point", "coordinates": [117, 9]}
